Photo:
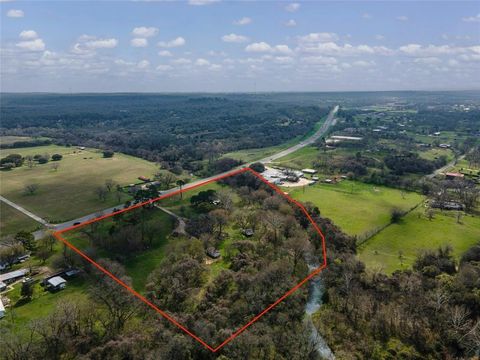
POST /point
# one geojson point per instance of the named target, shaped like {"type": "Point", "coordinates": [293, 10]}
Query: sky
{"type": "Point", "coordinates": [238, 46]}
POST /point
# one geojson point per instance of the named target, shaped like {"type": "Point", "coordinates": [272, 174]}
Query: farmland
{"type": "Point", "coordinates": [14, 221]}
{"type": "Point", "coordinates": [356, 207]}
{"type": "Point", "coordinates": [69, 191]}
{"type": "Point", "coordinates": [416, 233]}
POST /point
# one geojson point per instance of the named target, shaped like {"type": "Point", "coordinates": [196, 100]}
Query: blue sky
{"type": "Point", "coordinates": [217, 46]}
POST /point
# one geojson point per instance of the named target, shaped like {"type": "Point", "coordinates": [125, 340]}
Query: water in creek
{"type": "Point", "coordinates": [313, 304]}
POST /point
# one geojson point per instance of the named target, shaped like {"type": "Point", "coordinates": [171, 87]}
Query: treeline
{"type": "Point", "coordinates": [176, 130]}
{"type": "Point", "coordinates": [429, 312]}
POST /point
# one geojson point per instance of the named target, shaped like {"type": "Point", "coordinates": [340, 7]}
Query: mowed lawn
{"type": "Point", "coordinates": [356, 207]}
{"type": "Point", "coordinates": [69, 192]}
{"type": "Point", "coordinates": [300, 159]}
{"type": "Point", "coordinates": [416, 233]}
{"type": "Point", "coordinates": [13, 221]}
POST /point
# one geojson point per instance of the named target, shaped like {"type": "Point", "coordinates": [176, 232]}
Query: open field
{"type": "Point", "coordinates": [299, 159]}
{"type": "Point", "coordinates": [435, 153]}
{"type": "Point", "coordinates": [416, 233]}
{"type": "Point", "coordinates": [354, 206]}
{"type": "Point", "coordinates": [8, 140]}
{"type": "Point", "coordinates": [69, 192]}
{"type": "Point", "coordinates": [14, 221]}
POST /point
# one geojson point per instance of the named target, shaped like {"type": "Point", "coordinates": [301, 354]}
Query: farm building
{"type": "Point", "coordinates": [56, 283]}
{"type": "Point", "coordinates": [13, 276]}
{"type": "Point", "coordinates": [309, 171]}
{"type": "Point", "coordinates": [453, 176]}
{"type": "Point", "coordinates": [3, 286]}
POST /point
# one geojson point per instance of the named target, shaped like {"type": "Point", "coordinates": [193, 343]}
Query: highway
{"type": "Point", "coordinates": [330, 121]}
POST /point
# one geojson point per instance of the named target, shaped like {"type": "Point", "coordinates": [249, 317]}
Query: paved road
{"type": "Point", "coordinates": [445, 168]}
{"type": "Point", "coordinates": [320, 132]}
{"type": "Point", "coordinates": [25, 211]}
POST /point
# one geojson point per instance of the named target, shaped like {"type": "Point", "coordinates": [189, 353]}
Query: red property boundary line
{"type": "Point", "coordinates": [58, 236]}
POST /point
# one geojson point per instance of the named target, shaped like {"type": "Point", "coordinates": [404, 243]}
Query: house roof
{"type": "Point", "coordinates": [2, 308]}
{"type": "Point", "coordinates": [454, 174]}
{"type": "Point", "coordinates": [13, 275]}
{"type": "Point", "coordinates": [56, 280]}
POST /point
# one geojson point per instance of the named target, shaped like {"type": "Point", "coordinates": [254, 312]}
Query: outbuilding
{"type": "Point", "coordinates": [56, 283]}
{"type": "Point", "coordinates": [213, 253]}
{"type": "Point", "coordinates": [309, 171]}
{"type": "Point", "coordinates": [13, 276]}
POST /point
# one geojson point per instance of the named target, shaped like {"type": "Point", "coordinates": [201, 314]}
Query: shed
{"type": "Point", "coordinates": [309, 171]}
{"type": "Point", "coordinates": [56, 283]}
{"type": "Point", "coordinates": [213, 253]}
{"type": "Point", "coordinates": [453, 176]}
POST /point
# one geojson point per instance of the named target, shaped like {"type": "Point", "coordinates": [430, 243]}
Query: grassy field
{"type": "Point", "coordinates": [299, 159]}
{"type": "Point", "coordinates": [415, 233]}
{"type": "Point", "coordinates": [435, 153]}
{"type": "Point", "coordinates": [68, 192]}
{"type": "Point", "coordinates": [8, 140]}
{"type": "Point", "coordinates": [14, 221]}
{"type": "Point", "coordinates": [354, 206]}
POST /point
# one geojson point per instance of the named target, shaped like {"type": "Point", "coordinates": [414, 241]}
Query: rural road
{"type": "Point", "coordinates": [444, 168]}
{"type": "Point", "coordinates": [310, 140]}
{"type": "Point", "coordinates": [320, 132]}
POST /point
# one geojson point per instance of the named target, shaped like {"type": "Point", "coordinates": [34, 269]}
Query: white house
{"type": "Point", "coordinates": [309, 171]}
{"type": "Point", "coordinates": [56, 283]}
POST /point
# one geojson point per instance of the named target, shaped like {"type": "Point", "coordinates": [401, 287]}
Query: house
{"type": "Point", "coordinates": [2, 309]}
{"type": "Point", "coordinates": [13, 276]}
{"type": "Point", "coordinates": [453, 176]}
{"type": "Point", "coordinates": [315, 178]}
{"type": "Point", "coordinates": [309, 171]}
{"type": "Point", "coordinates": [81, 147]}
{"type": "Point", "coordinates": [444, 146]}
{"type": "Point", "coordinates": [56, 283]}
{"type": "Point", "coordinates": [437, 133]}
{"type": "Point", "coordinates": [213, 253]}
{"type": "Point", "coordinates": [447, 205]}
{"type": "Point", "coordinates": [248, 232]}
{"type": "Point", "coordinates": [328, 181]}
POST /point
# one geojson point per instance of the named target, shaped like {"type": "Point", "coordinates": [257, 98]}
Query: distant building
{"type": "Point", "coordinates": [437, 133]}
{"type": "Point", "coordinates": [444, 146]}
{"type": "Point", "coordinates": [453, 176]}
{"type": "Point", "coordinates": [3, 286]}
{"type": "Point", "coordinates": [328, 181]}
{"type": "Point", "coordinates": [56, 283]}
{"type": "Point", "coordinates": [309, 171]}
{"type": "Point", "coordinates": [213, 253]}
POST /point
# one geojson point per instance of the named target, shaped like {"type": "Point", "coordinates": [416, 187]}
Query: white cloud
{"type": "Point", "coordinates": [363, 63]}
{"type": "Point", "coordinates": [234, 38]}
{"type": "Point", "coordinates": [202, 2]}
{"type": "Point", "coordinates": [202, 62]}
{"type": "Point", "coordinates": [320, 60]}
{"type": "Point", "coordinates": [215, 67]}
{"type": "Point", "coordinates": [28, 35]}
{"type": "Point", "coordinates": [291, 23]}
{"type": "Point", "coordinates": [181, 61]}
{"type": "Point", "coordinates": [453, 63]}
{"type": "Point", "coordinates": [428, 60]}
{"type": "Point", "coordinates": [101, 43]}
{"type": "Point", "coordinates": [162, 67]}
{"type": "Point", "coordinates": [243, 21]}
{"type": "Point", "coordinates": [14, 13]}
{"type": "Point", "coordinates": [144, 31]}
{"type": "Point", "coordinates": [263, 47]}
{"type": "Point", "coordinates": [402, 18]}
{"type": "Point", "coordinates": [144, 64]}
{"type": "Point", "coordinates": [179, 41]}
{"type": "Point", "coordinates": [366, 16]}
{"type": "Point", "coordinates": [318, 37]}
{"type": "Point", "coordinates": [283, 60]}
{"type": "Point", "coordinates": [259, 47]}
{"type": "Point", "coordinates": [165, 53]}
{"type": "Point", "coordinates": [333, 49]}
{"type": "Point", "coordinates": [379, 37]}
{"type": "Point", "coordinates": [472, 18]}
{"type": "Point", "coordinates": [418, 50]}
{"type": "Point", "coordinates": [292, 7]}
{"type": "Point", "coordinates": [31, 45]}
{"type": "Point", "coordinates": [139, 42]}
